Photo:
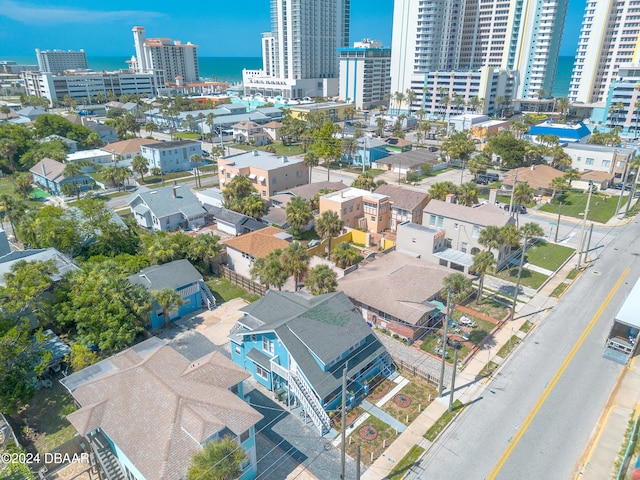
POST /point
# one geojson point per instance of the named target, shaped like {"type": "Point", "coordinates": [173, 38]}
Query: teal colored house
{"type": "Point", "coordinates": [180, 276]}
{"type": "Point", "coordinates": [298, 347]}
{"type": "Point", "coordinates": [147, 410]}
{"type": "Point", "coordinates": [369, 151]}
{"type": "Point", "coordinates": [48, 174]}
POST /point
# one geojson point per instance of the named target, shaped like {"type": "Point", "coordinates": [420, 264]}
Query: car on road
{"type": "Point", "coordinates": [487, 178]}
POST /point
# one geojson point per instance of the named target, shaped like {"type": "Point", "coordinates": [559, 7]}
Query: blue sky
{"type": "Point", "coordinates": [228, 30]}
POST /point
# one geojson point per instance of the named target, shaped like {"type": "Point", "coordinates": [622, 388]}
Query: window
{"type": "Point", "coordinates": [464, 247]}
{"type": "Point", "coordinates": [455, 226]}
{"type": "Point", "coordinates": [606, 163]}
{"type": "Point", "coordinates": [264, 193]}
{"type": "Point", "coordinates": [244, 436]}
{"type": "Point", "coordinates": [440, 222]}
{"type": "Point", "coordinates": [262, 373]}
{"type": "Point", "coordinates": [432, 220]}
{"type": "Point", "coordinates": [589, 161]}
{"type": "Point", "coordinates": [274, 180]}
{"type": "Point", "coordinates": [476, 231]}
{"type": "Point", "coordinates": [267, 345]}
{"type": "Point", "coordinates": [238, 350]}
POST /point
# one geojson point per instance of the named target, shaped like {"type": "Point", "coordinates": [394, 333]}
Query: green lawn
{"type": "Point", "coordinates": [573, 204]}
{"type": "Point", "coordinates": [547, 255]}
{"type": "Point", "coordinates": [224, 290]}
{"type": "Point", "coordinates": [443, 421]}
{"type": "Point", "coordinates": [186, 136]}
{"type": "Point", "coordinates": [507, 348]}
{"type": "Point", "coordinates": [406, 463]}
{"type": "Point", "coordinates": [529, 278]}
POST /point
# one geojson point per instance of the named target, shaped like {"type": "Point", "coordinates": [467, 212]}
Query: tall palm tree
{"type": "Point", "coordinates": [295, 262]}
{"type": "Point", "coordinates": [196, 158]}
{"type": "Point", "coordinates": [440, 190]}
{"type": "Point", "coordinates": [468, 194]}
{"type": "Point", "coordinates": [459, 285]}
{"type": "Point", "coordinates": [571, 175]}
{"type": "Point", "coordinates": [311, 160]}
{"type": "Point", "coordinates": [169, 301]}
{"type": "Point", "coordinates": [328, 225]}
{"type": "Point", "coordinates": [8, 149]}
{"type": "Point", "coordinates": [411, 98]}
{"type": "Point", "coordinates": [557, 184]}
{"type": "Point", "coordinates": [522, 195]}
{"type": "Point", "coordinates": [483, 263]}
{"type": "Point", "coordinates": [206, 247]}
{"type": "Point", "coordinates": [322, 279]}
{"type": "Point", "coordinates": [140, 165]}
{"type": "Point", "coordinates": [299, 214]}
{"type": "Point", "coordinates": [528, 230]}
{"type": "Point", "coordinates": [73, 169]}
{"type": "Point", "coordinates": [490, 237]}
{"type": "Point", "coordinates": [345, 255]}
{"type": "Point", "coordinates": [399, 96]}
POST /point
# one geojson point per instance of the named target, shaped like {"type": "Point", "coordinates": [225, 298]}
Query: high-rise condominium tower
{"type": "Point", "coordinates": [300, 51]}
{"type": "Point", "coordinates": [443, 35]}
{"type": "Point", "coordinates": [56, 61]}
{"type": "Point", "coordinates": [610, 37]}
{"type": "Point", "coordinates": [169, 60]}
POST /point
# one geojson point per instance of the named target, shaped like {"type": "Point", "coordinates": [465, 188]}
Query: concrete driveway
{"type": "Point", "coordinates": [216, 324]}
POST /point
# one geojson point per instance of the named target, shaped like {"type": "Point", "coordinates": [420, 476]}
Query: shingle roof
{"type": "Point", "coordinates": [260, 243]}
{"type": "Point", "coordinates": [326, 325]}
{"type": "Point", "coordinates": [537, 176]}
{"type": "Point", "coordinates": [52, 169]}
{"type": "Point", "coordinates": [273, 124]}
{"type": "Point", "coordinates": [129, 146]}
{"type": "Point", "coordinates": [158, 407]}
{"type": "Point", "coordinates": [595, 175]}
{"type": "Point", "coordinates": [482, 215]}
{"type": "Point", "coordinates": [396, 284]}
{"type": "Point", "coordinates": [246, 125]}
{"type": "Point", "coordinates": [403, 197]}
{"type": "Point", "coordinates": [162, 202]}
{"type": "Point", "coordinates": [173, 275]}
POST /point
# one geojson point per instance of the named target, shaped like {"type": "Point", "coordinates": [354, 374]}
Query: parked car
{"type": "Point", "coordinates": [487, 178]}
{"type": "Point", "coordinates": [516, 208]}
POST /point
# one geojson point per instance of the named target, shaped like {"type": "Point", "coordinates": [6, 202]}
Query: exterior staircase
{"type": "Point", "coordinates": [207, 295]}
{"type": "Point", "coordinates": [106, 459]}
{"type": "Point", "coordinates": [310, 403]}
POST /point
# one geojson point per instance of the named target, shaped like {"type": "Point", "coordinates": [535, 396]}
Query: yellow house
{"type": "Point", "coordinates": [359, 208]}
{"type": "Point", "coordinates": [334, 110]}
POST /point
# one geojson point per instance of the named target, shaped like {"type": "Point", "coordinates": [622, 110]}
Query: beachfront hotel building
{"type": "Point", "coordinates": [609, 39]}
{"type": "Point", "coordinates": [519, 37]}
{"type": "Point", "coordinates": [365, 74]}
{"type": "Point", "coordinates": [57, 61]}
{"type": "Point", "coordinates": [299, 54]}
{"type": "Point", "coordinates": [171, 61]}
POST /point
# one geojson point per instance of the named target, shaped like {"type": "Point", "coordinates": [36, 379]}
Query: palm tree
{"type": "Point", "coordinates": [522, 195]}
{"type": "Point", "coordinates": [349, 146]}
{"type": "Point", "coordinates": [345, 255]}
{"type": "Point", "coordinates": [483, 263]}
{"type": "Point", "coordinates": [490, 237]}
{"type": "Point", "coordinates": [380, 124]}
{"type": "Point", "coordinates": [458, 285]}
{"type": "Point", "coordinates": [365, 181]}
{"type": "Point", "coordinates": [218, 460]}
{"type": "Point", "coordinates": [411, 98]}
{"type": "Point", "coordinates": [528, 230]}
{"type": "Point", "coordinates": [311, 160]}
{"type": "Point", "coordinates": [140, 165]}
{"type": "Point", "coordinates": [558, 184]}
{"type": "Point", "coordinates": [541, 94]}
{"type": "Point", "coordinates": [161, 248]}
{"type": "Point", "coordinates": [206, 247]}
{"type": "Point", "coordinates": [399, 97]}
{"type": "Point", "coordinates": [169, 301]}
{"type": "Point", "coordinates": [295, 262]}
{"type": "Point", "coordinates": [299, 214]}
{"type": "Point", "coordinates": [571, 175]}
{"type": "Point", "coordinates": [23, 184]}
{"type": "Point", "coordinates": [321, 279]}
{"type": "Point", "coordinates": [196, 158]}
{"type": "Point", "coordinates": [468, 194]}
{"type": "Point", "coordinates": [8, 149]}
{"type": "Point", "coordinates": [440, 190]}
{"type": "Point", "coordinates": [269, 269]}
{"type": "Point", "coordinates": [253, 206]}
{"type": "Point", "coordinates": [210, 123]}
{"type": "Point", "coordinates": [73, 169]}
{"type": "Point", "coordinates": [328, 225]}
{"type": "Point", "coordinates": [562, 105]}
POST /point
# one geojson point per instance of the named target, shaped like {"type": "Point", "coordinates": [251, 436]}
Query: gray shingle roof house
{"type": "Point", "coordinates": [233, 223]}
{"type": "Point", "coordinates": [62, 263]}
{"type": "Point", "coordinates": [166, 208]}
{"type": "Point", "coordinates": [151, 409]}
{"type": "Point", "coordinates": [300, 346]}
{"type": "Point", "coordinates": [406, 204]}
{"type": "Point", "coordinates": [48, 174]}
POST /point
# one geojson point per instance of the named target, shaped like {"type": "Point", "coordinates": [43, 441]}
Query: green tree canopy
{"type": "Point", "coordinates": [510, 149]}
{"type": "Point", "coordinates": [328, 225]}
{"type": "Point", "coordinates": [321, 279]}
{"type": "Point", "coordinates": [218, 460]}
{"type": "Point", "coordinates": [169, 301]}
{"type": "Point", "coordinates": [298, 214]}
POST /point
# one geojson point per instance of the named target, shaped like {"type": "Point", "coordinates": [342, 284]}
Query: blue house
{"type": "Point", "coordinates": [147, 410]}
{"type": "Point", "coordinates": [298, 347]}
{"type": "Point", "coordinates": [171, 156]}
{"type": "Point", "coordinates": [48, 174]}
{"type": "Point", "coordinates": [180, 276]}
{"type": "Point", "coordinates": [369, 150]}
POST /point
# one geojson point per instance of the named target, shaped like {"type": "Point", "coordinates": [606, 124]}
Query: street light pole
{"type": "Point", "coordinates": [555, 240]}
{"type": "Point", "coordinates": [444, 344]}
{"type": "Point", "coordinates": [584, 224]}
{"type": "Point", "coordinates": [456, 346]}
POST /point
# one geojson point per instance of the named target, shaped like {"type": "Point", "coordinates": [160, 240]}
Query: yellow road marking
{"type": "Point", "coordinates": [549, 387]}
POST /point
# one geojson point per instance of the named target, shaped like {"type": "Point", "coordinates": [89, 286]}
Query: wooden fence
{"type": "Point", "coordinates": [243, 282]}
{"type": "Point", "coordinates": [429, 377]}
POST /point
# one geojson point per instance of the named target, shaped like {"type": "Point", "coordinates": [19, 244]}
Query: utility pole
{"type": "Point", "coordinates": [343, 449]}
{"type": "Point", "coordinates": [364, 157]}
{"type": "Point", "coordinates": [456, 347]}
{"type": "Point", "coordinates": [632, 193]}
{"type": "Point", "coordinates": [624, 179]}
{"type": "Point", "coordinates": [586, 250]}
{"type": "Point", "coordinates": [584, 224]}
{"type": "Point", "coordinates": [555, 240]}
{"type": "Point", "coordinates": [358, 461]}
{"type": "Point", "coordinates": [444, 344]}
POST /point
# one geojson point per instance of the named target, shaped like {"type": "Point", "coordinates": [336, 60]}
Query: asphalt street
{"type": "Point", "coordinates": [536, 415]}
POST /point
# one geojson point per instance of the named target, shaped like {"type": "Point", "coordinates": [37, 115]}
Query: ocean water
{"type": "Point", "coordinates": [229, 69]}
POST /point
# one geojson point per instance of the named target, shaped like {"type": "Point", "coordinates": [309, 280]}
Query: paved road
{"type": "Point", "coordinates": [553, 420]}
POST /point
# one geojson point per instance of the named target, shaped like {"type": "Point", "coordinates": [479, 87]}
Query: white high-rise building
{"type": "Point", "coordinates": [521, 36]}
{"type": "Point", "coordinates": [170, 61]}
{"type": "Point", "coordinates": [57, 61]}
{"type": "Point", "coordinates": [610, 38]}
{"type": "Point", "coordinates": [301, 49]}
{"type": "Point", "coordinates": [365, 74]}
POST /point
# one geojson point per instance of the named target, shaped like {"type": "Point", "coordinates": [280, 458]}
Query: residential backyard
{"type": "Point", "coordinates": [547, 255]}
{"type": "Point", "coordinates": [407, 404]}
{"type": "Point", "coordinates": [374, 437]}
{"type": "Point", "coordinates": [224, 290]}
{"type": "Point", "coordinates": [573, 204]}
